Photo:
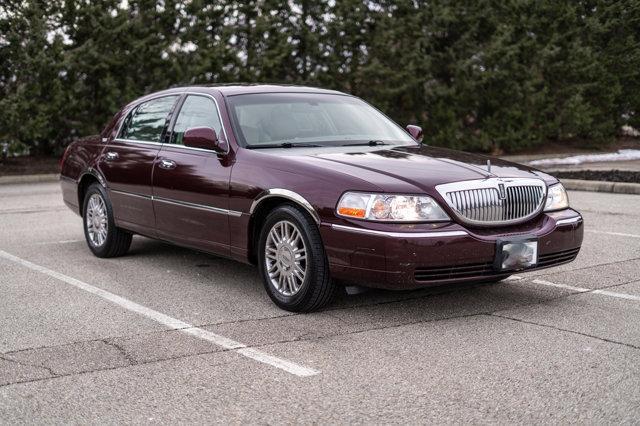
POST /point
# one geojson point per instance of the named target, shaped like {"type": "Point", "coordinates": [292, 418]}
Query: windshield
{"type": "Point", "coordinates": [310, 119]}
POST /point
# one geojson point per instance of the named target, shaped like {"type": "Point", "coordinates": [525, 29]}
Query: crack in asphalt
{"type": "Point", "coordinates": [614, 285]}
{"type": "Point", "coordinates": [485, 313]}
{"type": "Point", "coordinates": [573, 292]}
{"type": "Point", "coordinates": [602, 339]}
{"type": "Point", "coordinates": [353, 332]}
{"type": "Point", "coordinates": [130, 359]}
{"type": "Point", "coordinates": [587, 267]}
{"type": "Point", "coordinates": [28, 364]}
{"type": "Point", "coordinates": [119, 367]}
{"type": "Point", "coordinates": [305, 337]}
{"type": "Point", "coordinates": [308, 337]}
{"type": "Point", "coordinates": [109, 340]}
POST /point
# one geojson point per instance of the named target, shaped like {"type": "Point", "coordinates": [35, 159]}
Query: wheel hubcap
{"type": "Point", "coordinates": [97, 223]}
{"type": "Point", "coordinates": [285, 258]}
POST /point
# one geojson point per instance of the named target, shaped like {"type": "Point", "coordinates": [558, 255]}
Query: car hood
{"type": "Point", "coordinates": [422, 167]}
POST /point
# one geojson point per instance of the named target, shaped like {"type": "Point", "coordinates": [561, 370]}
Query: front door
{"type": "Point", "coordinates": [127, 163]}
{"type": "Point", "coordinates": [190, 185]}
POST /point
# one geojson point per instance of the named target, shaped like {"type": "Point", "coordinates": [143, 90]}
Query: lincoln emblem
{"type": "Point", "coordinates": [501, 190]}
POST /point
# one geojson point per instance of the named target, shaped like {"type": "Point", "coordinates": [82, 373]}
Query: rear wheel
{"type": "Point", "coordinates": [292, 261]}
{"type": "Point", "coordinates": [103, 237]}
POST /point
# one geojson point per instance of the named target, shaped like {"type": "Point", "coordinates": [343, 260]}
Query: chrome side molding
{"type": "Point", "coordinates": [181, 203]}
{"type": "Point", "coordinates": [285, 193]}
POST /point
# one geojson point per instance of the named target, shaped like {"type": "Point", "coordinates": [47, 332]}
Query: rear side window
{"type": "Point", "coordinates": [196, 111]}
{"type": "Point", "coordinates": [147, 121]}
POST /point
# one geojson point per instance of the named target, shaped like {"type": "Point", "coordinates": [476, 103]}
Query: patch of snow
{"type": "Point", "coordinates": [621, 155]}
{"type": "Point", "coordinates": [630, 131]}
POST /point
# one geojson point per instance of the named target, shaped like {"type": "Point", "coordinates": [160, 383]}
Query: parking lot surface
{"type": "Point", "coordinates": [166, 334]}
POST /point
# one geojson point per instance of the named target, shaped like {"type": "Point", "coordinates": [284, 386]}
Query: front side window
{"type": "Point", "coordinates": [146, 122]}
{"type": "Point", "coordinates": [197, 111]}
{"type": "Point", "coordinates": [270, 119]}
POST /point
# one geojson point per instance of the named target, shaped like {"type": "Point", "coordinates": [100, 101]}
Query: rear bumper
{"type": "Point", "coordinates": [413, 256]}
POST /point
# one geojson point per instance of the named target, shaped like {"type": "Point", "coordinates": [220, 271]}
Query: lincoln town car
{"type": "Point", "coordinates": [315, 187]}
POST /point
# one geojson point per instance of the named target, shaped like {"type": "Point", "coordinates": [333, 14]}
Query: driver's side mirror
{"type": "Point", "coordinates": [204, 138]}
{"type": "Point", "coordinates": [415, 132]}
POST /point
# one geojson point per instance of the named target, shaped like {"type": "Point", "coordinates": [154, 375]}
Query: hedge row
{"type": "Point", "coordinates": [475, 74]}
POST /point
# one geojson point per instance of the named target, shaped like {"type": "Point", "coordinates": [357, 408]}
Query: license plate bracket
{"type": "Point", "coordinates": [515, 254]}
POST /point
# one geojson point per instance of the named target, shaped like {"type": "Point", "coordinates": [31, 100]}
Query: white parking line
{"type": "Point", "coordinates": [619, 234]}
{"type": "Point", "coordinates": [579, 289]}
{"type": "Point", "coordinates": [618, 295]}
{"type": "Point", "coordinates": [170, 322]}
{"type": "Point", "coordinates": [44, 243]}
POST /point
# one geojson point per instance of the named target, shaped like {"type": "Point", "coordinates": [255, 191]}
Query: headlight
{"type": "Point", "coordinates": [557, 198]}
{"type": "Point", "coordinates": [390, 208]}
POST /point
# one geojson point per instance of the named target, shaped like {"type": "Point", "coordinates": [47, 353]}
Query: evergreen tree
{"type": "Point", "coordinates": [30, 79]}
{"type": "Point", "coordinates": [476, 74]}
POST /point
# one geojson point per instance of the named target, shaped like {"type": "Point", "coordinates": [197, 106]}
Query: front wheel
{"type": "Point", "coordinates": [292, 261]}
{"type": "Point", "coordinates": [103, 237]}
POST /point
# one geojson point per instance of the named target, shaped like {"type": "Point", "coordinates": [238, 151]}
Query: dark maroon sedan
{"type": "Point", "coordinates": [314, 186]}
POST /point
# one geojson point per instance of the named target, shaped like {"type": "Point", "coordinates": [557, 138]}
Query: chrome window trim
{"type": "Point", "coordinates": [165, 95]}
{"type": "Point", "coordinates": [170, 145]}
{"type": "Point", "coordinates": [136, 141]}
{"type": "Point", "coordinates": [226, 137]}
{"type": "Point", "coordinates": [206, 95]}
{"type": "Point", "coordinates": [181, 203]}
{"type": "Point", "coordinates": [492, 183]}
{"type": "Point", "coordinates": [569, 220]}
{"type": "Point", "coordinates": [285, 193]}
{"type": "Point", "coordinates": [432, 234]}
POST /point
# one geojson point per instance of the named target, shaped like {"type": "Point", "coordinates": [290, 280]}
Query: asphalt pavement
{"type": "Point", "coordinates": [168, 335]}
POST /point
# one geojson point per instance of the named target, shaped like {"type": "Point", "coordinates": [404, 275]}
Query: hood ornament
{"type": "Point", "coordinates": [488, 166]}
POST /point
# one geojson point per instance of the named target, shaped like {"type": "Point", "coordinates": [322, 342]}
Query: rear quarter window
{"type": "Point", "coordinates": [147, 121]}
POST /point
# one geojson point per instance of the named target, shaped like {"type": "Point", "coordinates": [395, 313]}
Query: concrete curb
{"type": "Point", "coordinates": [5, 180]}
{"type": "Point", "coordinates": [601, 186]}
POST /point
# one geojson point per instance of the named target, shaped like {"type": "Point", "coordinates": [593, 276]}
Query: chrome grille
{"type": "Point", "coordinates": [495, 201]}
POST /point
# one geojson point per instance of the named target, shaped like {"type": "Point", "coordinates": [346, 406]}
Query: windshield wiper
{"type": "Point", "coordinates": [283, 145]}
{"type": "Point", "coordinates": [372, 142]}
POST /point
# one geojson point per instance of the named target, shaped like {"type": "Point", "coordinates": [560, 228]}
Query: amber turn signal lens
{"type": "Point", "coordinates": [348, 211]}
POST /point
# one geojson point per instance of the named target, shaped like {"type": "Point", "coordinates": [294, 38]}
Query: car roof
{"type": "Point", "coordinates": [232, 89]}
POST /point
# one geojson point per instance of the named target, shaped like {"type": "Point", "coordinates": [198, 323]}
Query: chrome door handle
{"type": "Point", "coordinates": [110, 156]}
{"type": "Point", "coordinates": [167, 164]}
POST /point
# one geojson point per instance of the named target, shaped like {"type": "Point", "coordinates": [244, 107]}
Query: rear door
{"type": "Point", "coordinates": [127, 163]}
{"type": "Point", "coordinates": [191, 185]}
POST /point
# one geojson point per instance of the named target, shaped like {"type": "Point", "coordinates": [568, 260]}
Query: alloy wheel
{"type": "Point", "coordinates": [97, 220]}
{"type": "Point", "coordinates": [285, 258]}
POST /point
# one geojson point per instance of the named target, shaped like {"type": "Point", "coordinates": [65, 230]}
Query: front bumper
{"type": "Point", "coordinates": [413, 256]}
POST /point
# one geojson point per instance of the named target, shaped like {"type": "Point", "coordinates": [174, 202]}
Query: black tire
{"type": "Point", "coordinates": [317, 289]}
{"type": "Point", "coordinates": [117, 240]}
